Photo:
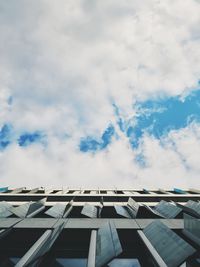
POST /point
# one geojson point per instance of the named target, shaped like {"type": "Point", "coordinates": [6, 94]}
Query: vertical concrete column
{"type": "Point", "coordinates": [92, 249]}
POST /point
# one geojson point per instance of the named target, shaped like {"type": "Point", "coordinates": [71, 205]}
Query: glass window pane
{"type": "Point", "coordinates": [192, 228]}
{"type": "Point", "coordinates": [122, 211]}
{"type": "Point", "coordinates": [71, 262]}
{"type": "Point", "coordinates": [124, 263]}
{"type": "Point", "coordinates": [133, 207]}
{"type": "Point", "coordinates": [191, 207]}
{"type": "Point", "coordinates": [27, 209]}
{"type": "Point", "coordinates": [41, 246]}
{"type": "Point", "coordinates": [16, 244]}
{"type": "Point", "coordinates": [3, 189]}
{"type": "Point", "coordinates": [56, 211]}
{"type": "Point", "coordinates": [22, 210]}
{"type": "Point", "coordinates": [168, 210]}
{"type": "Point", "coordinates": [153, 211]}
{"type": "Point", "coordinates": [108, 244]}
{"type": "Point", "coordinates": [172, 249]}
{"type": "Point", "coordinates": [89, 211]}
{"type": "Point", "coordinates": [194, 206]}
{"type": "Point", "coordinates": [4, 209]}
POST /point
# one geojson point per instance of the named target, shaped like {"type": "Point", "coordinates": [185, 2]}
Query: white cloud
{"type": "Point", "coordinates": [64, 63]}
{"type": "Point", "coordinates": [61, 163]}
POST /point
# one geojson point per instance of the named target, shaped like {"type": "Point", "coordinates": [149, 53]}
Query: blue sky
{"type": "Point", "coordinates": [100, 94]}
{"type": "Point", "coordinates": [155, 117]}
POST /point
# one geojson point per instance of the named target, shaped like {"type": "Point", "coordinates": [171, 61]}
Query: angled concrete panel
{"type": "Point", "coordinates": [172, 249]}
{"type": "Point", "coordinates": [89, 211]}
{"type": "Point", "coordinates": [108, 244]}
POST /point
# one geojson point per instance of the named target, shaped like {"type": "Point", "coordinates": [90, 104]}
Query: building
{"type": "Point", "coordinates": [99, 227]}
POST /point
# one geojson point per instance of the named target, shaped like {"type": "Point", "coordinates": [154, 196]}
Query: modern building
{"type": "Point", "coordinates": [99, 227]}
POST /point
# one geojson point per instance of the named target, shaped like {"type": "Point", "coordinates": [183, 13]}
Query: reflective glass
{"type": "Point", "coordinates": [108, 244]}
{"type": "Point", "coordinates": [133, 207]}
{"type": "Point", "coordinates": [56, 211]}
{"type": "Point", "coordinates": [124, 263]}
{"type": "Point", "coordinates": [192, 228]}
{"type": "Point", "coordinates": [3, 189]}
{"type": "Point", "coordinates": [71, 262]}
{"type": "Point", "coordinates": [179, 191]}
{"type": "Point", "coordinates": [27, 209]}
{"type": "Point", "coordinates": [194, 206]}
{"type": "Point", "coordinates": [153, 211]}
{"type": "Point", "coordinates": [68, 209]}
{"type": "Point", "coordinates": [4, 209]}
{"type": "Point", "coordinates": [21, 211]}
{"type": "Point", "coordinates": [172, 249]}
{"type": "Point", "coordinates": [36, 206]}
{"type": "Point", "coordinates": [122, 211]}
{"type": "Point", "coordinates": [41, 246]}
{"type": "Point", "coordinates": [191, 207]}
{"type": "Point", "coordinates": [89, 211]}
{"type": "Point", "coordinates": [167, 209]}
{"type": "Point", "coordinates": [14, 260]}
{"type": "Point", "coordinates": [145, 191]}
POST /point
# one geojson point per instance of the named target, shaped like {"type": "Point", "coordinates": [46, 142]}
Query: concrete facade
{"type": "Point", "coordinates": [99, 227]}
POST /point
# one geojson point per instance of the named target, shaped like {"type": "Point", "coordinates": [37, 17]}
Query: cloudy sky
{"type": "Point", "coordinates": [100, 93]}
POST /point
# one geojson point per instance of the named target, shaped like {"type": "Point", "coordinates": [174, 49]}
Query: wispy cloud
{"type": "Point", "coordinates": [158, 117]}
{"type": "Point", "coordinates": [62, 68]}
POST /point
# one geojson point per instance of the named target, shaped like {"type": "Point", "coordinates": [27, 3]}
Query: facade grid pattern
{"type": "Point", "coordinates": [72, 227]}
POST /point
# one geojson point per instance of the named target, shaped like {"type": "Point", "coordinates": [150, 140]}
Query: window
{"type": "Point", "coordinates": [109, 212]}
{"type": "Point", "coordinates": [70, 192]}
{"type": "Point", "coordinates": [124, 263]}
{"type": "Point", "coordinates": [103, 192]}
{"type": "Point", "coordinates": [16, 244]}
{"type": "Point", "coordinates": [76, 212]}
{"type": "Point", "coordinates": [70, 249]}
{"type": "Point", "coordinates": [87, 192]}
{"type": "Point", "coordinates": [134, 252]}
{"type": "Point", "coordinates": [172, 249]}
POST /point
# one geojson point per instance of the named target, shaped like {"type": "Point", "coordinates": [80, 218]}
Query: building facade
{"type": "Point", "coordinates": [99, 227]}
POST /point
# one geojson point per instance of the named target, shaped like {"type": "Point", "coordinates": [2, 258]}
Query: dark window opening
{"type": "Point", "coordinates": [192, 192]}
{"type": "Point", "coordinates": [24, 191]}
{"type": "Point", "coordinates": [39, 192]}
{"type": "Point", "coordinates": [70, 249]}
{"type": "Point", "coordinates": [8, 191]}
{"type": "Point", "coordinates": [143, 192]}
{"type": "Point", "coordinates": [133, 248]}
{"type": "Point", "coordinates": [87, 192]}
{"type": "Point", "coordinates": [76, 212]}
{"type": "Point", "coordinates": [70, 191]}
{"type": "Point", "coordinates": [90, 198]}
{"type": "Point", "coordinates": [103, 192]}
{"type": "Point", "coordinates": [16, 244]}
{"type": "Point", "coordinates": [115, 198]}
{"type": "Point", "coordinates": [42, 214]}
{"type": "Point", "coordinates": [55, 191]}
{"type": "Point", "coordinates": [119, 192]}
{"type": "Point", "coordinates": [144, 213]}
{"type": "Point", "coordinates": [159, 192]}
{"type": "Point", "coordinates": [109, 212]}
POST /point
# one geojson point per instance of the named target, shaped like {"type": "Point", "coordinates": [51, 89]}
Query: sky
{"type": "Point", "coordinates": [101, 93]}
